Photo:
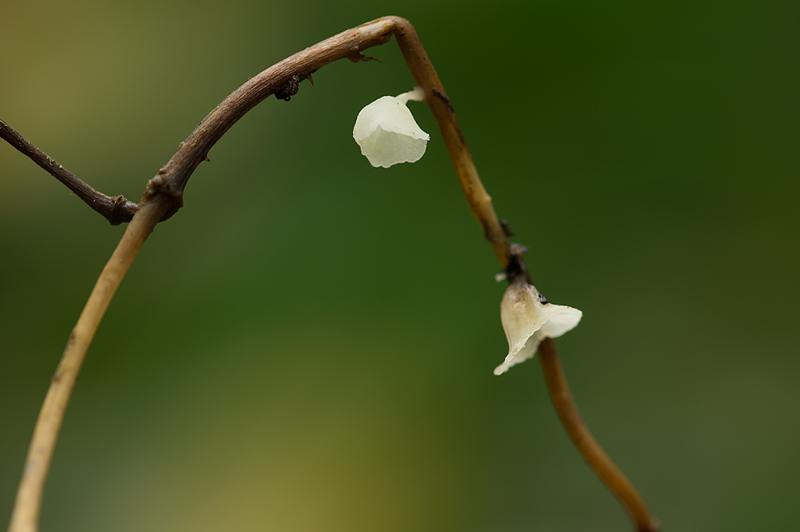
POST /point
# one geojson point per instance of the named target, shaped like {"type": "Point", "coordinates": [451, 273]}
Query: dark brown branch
{"type": "Point", "coordinates": [115, 209]}
{"type": "Point", "coordinates": [594, 455]}
{"type": "Point", "coordinates": [163, 197]}
{"type": "Point", "coordinates": [282, 80]}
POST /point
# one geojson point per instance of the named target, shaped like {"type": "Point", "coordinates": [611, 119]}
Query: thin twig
{"type": "Point", "coordinates": [594, 455]}
{"type": "Point", "coordinates": [27, 508]}
{"type": "Point", "coordinates": [511, 260]}
{"type": "Point", "coordinates": [115, 209]}
{"type": "Point", "coordinates": [282, 80]}
{"type": "Point", "coordinates": [479, 201]}
{"type": "Point", "coordinates": [164, 196]}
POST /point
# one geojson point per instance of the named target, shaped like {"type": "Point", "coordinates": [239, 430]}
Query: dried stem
{"type": "Point", "coordinates": [479, 201]}
{"type": "Point", "coordinates": [594, 455]}
{"type": "Point", "coordinates": [115, 209]}
{"type": "Point", "coordinates": [25, 517]}
{"type": "Point", "coordinates": [282, 80]}
{"type": "Point", "coordinates": [511, 259]}
{"type": "Point", "coordinates": [164, 196]}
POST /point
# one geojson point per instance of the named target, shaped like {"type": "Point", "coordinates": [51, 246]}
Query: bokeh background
{"type": "Point", "coordinates": [308, 345]}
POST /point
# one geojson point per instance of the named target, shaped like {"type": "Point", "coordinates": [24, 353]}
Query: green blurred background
{"type": "Point", "coordinates": [308, 345]}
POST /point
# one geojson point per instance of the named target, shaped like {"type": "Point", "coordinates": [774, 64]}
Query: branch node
{"type": "Point", "coordinates": [159, 186]}
{"type": "Point", "coordinates": [122, 210]}
{"type": "Point", "coordinates": [516, 263]}
{"type": "Point", "coordinates": [506, 228]}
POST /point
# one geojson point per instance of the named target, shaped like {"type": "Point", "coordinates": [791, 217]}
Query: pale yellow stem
{"type": "Point", "coordinates": [164, 196]}
{"type": "Point", "coordinates": [25, 516]}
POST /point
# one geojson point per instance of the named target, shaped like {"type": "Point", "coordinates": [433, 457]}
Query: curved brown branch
{"type": "Point", "coordinates": [115, 209]}
{"type": "Point", "coordinates": [163, 197]}
{"type": "Point", "coordinates": [283, 80]}
{"type": "Point", "coordinates": [594, 455]}
{"type": "Point", "coordinates": [512, 261]}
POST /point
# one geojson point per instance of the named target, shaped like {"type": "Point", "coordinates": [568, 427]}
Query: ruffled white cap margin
{"type": "Point", "coordinates": [528, 318]}
{"type": "Point", "coordinates": [387, 132]}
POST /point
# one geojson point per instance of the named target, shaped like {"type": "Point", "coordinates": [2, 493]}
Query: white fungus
{"type": "Point", "coordinates": [528, 318]}
{"type": "Point", "coordinates": [387, 132]}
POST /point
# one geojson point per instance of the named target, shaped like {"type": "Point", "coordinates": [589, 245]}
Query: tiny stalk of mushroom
{"type": "Point", "coordinates": [387, 134]}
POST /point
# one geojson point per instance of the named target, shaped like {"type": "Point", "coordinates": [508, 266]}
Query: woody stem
{"type": "Point", "coordinates": [594, 455]}
{"type": "Point", "coordinates": [511, 260]}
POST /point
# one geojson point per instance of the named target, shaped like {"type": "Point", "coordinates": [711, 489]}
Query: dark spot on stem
{"type": "Point", "coordinates": [70, 340]}
{"type": "Point", "coordinates": [515, 267]}
{"type": "Point", "coordinates": [506, 228]}
{"type": "Point", "coordinates": [439, 94]}
{"type": "Point", "coordinates": [290, 88]}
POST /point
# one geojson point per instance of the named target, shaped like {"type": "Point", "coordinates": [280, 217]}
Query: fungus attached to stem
{"type": "Point", "coordinates": [528, 318]}
{"type": "Point", "coordinates": [387, 132]}
{"type": "Point", "coordinates": [163, 197]}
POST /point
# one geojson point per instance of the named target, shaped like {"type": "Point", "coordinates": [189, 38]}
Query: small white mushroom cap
{"type": "Point", "coordinates": [387, 132]}
{"type": "Point", "coordinates": [528, 318]}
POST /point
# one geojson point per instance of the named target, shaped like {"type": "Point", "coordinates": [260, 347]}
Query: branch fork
{"type": "Point", "coordinates": [163, 197]}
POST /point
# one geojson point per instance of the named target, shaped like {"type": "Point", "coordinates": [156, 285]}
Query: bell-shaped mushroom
{"type": "Point", "coordinates": [387, 132]}
{"type": "Point", "coordinates": [528, 318]}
